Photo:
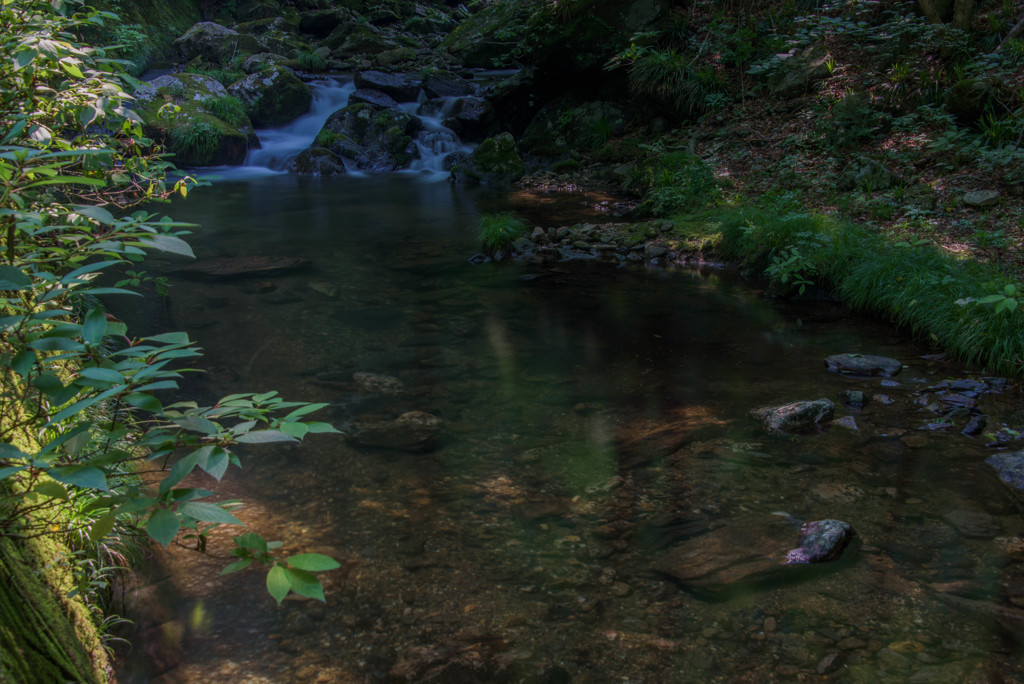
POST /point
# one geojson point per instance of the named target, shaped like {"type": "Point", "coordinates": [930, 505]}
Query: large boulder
{"type": "Point", "coordinates": [401, 88]}
{"type": "Point", "coordinates": [472, 118]}
{"type": "Point", "coordinates": [796, 417]}
{"type": "Point", "coordinates": [372, 97]}
{"type": "Point", "coordinates": [969, 98]}
{"type": "Point", "coordinates": [348, 40]}
{"type": "Point", "coordinates": [210, 42]}
{"type": "Point", "coordinates": [177, 109]}
{"type": "Point", "coordinates": [375, 139]}
{"type": "Point", "coordinates": [317, 161]}
{"type": "Point", "coordinates": [273, 96]}
{"type": "Point", "coordinates": [440, 83]}
{"type": "Point", "coordinates": [751, 553]}
{"type": "Point", "coordinates": [565, 125]}
{"type": "Point", "coordinates": [495, 161]}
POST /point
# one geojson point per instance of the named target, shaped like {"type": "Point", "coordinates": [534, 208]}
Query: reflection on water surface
{"type": "Point", "coordinates": [595, 419]}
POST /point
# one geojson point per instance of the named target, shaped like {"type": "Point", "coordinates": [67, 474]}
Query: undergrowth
{"type": "Point", "coordinates": [498, 231]}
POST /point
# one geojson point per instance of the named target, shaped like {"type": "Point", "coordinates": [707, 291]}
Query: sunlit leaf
{"type": "Point", "coordinates": [236, 566]}
{"type": "Point", "coordinates": [208, 512]}
{"type": "Point", "coordinates": [251, 540]}
{"type": "Point", "coordinates": [52, 490]}
{"type": "Point", "coordinates": [163, 526]}
{"type": "Point", "coordinates": [265, 436]}
{"type": "Point", "coordinates": [86, 477]}
{"type": "Point", "coordinates": [102, 527]}
{"type": "Point", "coordinates": [169, 244]}
{"type": "Point", "coordinates": [279, 581]}
{"type": "Point", "coordinates": [313, 562]}
{"type": "Point", "coordinates": [198, 424]}
{"type": "Point", "coordinates": [305, 584]}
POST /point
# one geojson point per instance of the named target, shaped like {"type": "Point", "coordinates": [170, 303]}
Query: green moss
{"type": "Point", "coordinates": [566, 166]}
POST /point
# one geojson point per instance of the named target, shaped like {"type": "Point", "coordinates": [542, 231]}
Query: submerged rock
{"type": "Point", "coordinates": [751, 553]}
{"type": "Point", "coordinates": [1009, 467]}
{"type": "Point", "coordinates": [239, 267]}
{"type": "Point", "coordinates": [412, 431]}
{"type": "Point", "coordinates": [863, 364]}
{"type": "Point", "coordinates": [799, 416]}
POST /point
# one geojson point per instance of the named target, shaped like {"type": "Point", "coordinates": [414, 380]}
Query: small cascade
{"type": "Point", "coordinates": [278, 146]}
{"type": "Point", "coordinates": [435, 141]}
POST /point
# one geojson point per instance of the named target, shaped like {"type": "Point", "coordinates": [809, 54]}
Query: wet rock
{"type": "Point", "coordinates": [372, 97]}
{"type": "Point", "coordinates": [863, 364]}
{"type": "Point", "coordinates": [413, 431]}
{"type": "Point", "coordinates": [1009, 467]}
{"type": "Point", "coordinates": [974, 524]}
{"type": "Point", "coordinates": [447, 84]}
{"type": "Point", "coordinates": [821, 541]}
{"type": "Point", "coordinates": [273, 97]}
{"type": "Point", "coordinates": [472, 119]}
{"type": "Point", "coordinates": [641, 442]}
{"type": "Point", "coordinates": [1011, 620]}
{"type": "Point", "coordinates": [376, 139]}
{"type": "Point", "coordinates": [318, 161]}
{"type": "Point", "coordinates": [797, 417]}
{"type": "Point", "coordinates": [751, 553]}
{"type": "Point", "coordinates": [975, 426]}
{"type": "Point", "coordinates": [853, 398]}
{"type": "Point", "coordinates": [398, 55]}
{"type": "Point", "coordinates": [324, 287]}
{"type": "Point", "coordinates": [211, 42]}
{"type": "Point", "coordinates": [848, 422]}
{"type": "Point", "coordinates": [401, 88]}
{"type": "Point", "coordinates": [376, 383]}
{"type": "Point", "coordinates": [495, 161]}
{"type": "Point", "coordinates": [981, 199]}
{"type": "Point", "coordinates": [240, 267]}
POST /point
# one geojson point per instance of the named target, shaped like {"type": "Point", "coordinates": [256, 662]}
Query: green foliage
{"type": "Point", "coordinates": [197, 142]}
{"type": "Point", "coordinates": [81, 403]}
{"type": "Point", "coordinates": [499, 231]}
{"type": "Point", "coordinates": [674, 182]}
{"type": "Point", "coordinates": [225, 77]}
{"type": "Point", "coordinates": [229, 109]}
{"type": "Point", "coordinates": [312, 61]}
{"type": "Point", "coordinates": [670, 77]}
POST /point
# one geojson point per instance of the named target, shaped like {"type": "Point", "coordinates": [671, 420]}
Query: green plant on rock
{"type": "Point", "coordinates": [498, 231]}
{"type": "Point", "coordinates": [196, 142]}
{"type": "Point", "coordinates": [311, 60]}
{"type": "Point", "coordinates": [228, 109]}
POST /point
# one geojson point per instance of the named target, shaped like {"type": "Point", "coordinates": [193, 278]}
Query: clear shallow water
{"type": "Point", "coordinates": [520, 550]}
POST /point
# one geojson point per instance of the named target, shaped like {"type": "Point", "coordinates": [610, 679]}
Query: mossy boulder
{"type": "Point", "coordinates": [495, 161]}
{"type": "Point", "coordinates": [968, 99]}
{"type": "Point", "coordinates": [176, 109]}
{"type": "Point", "coordinates": [372, 97]}
{"type": "Point", "coordinates": [321, 23]}
{"type": "Point", "coordinates": [273, 96]}
{"type": "Point", "coordinates": [351, 39]}
{"type": "Point", "coordinates": [146, 28]}
{"type": "Point", "coordinates": [796, 72]}
{"type": "Point", "coordinates": [262, 61]}
{"type": "Point", "coordinates": [442, 83]}
{"type": "Point", "coordinates": [318, 161]}
{"type": "Point", "coordinates": [402, 88]}
{"type": "Point", "coordinates": [398, 55]}
{"type": "Point", "coordinates": [490, 37]}
{"type": "Point", "coordinates": [375, 139]}
{"type": "Point", "coordinates": [211, 43]}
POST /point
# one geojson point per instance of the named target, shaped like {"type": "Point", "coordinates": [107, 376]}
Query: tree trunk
{"type": "Point", "coordinates": [931, 12]}
{"type": "Point", "coordinates": [963, 12]}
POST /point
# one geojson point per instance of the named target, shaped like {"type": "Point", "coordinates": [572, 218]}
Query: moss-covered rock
{"type": "Point", "coordinates": [443, 83]}
{"type": "Point", "coordinates": [968, 99]}
{"type": "Point", "coordinates": [318, 161]}
{"type": "Point", "coordinates": [176, 110]}
{"type": "Point", "coordinates": [351, 39]}
{"type": "Point", "coordinates": [211, 43]}
{"type": "Point", "coordinates": [401, 88]}
{"type": "Point", "coordinates": [565, 125]}
{"type": "Point", "coordinates": [375, 139]}
{"type": "Point", "coordinates": [395, 56]}
{"type": "Point", "coordinates": [490, 37]}
{"type": "Point", "coordinates": [472, 119]}
{"type": "Point", "coordinates": [273, 96]}
{"type": "Point", "coordinates": [495, 161]}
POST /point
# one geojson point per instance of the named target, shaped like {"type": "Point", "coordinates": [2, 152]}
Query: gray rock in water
{"type": "Point", "coordinates": [753, 552]}
{"type": "Point", "coordinates": [239, 267]}
{"type": "Point", "coordinates": [412, 431]}
{"type": "Point", "coordinates": [821, 541]}
{"type": "Point", "coordinates": [799, 416]}
{"type": "Point", "coordinates": [402, 88]}
{"type": "Point", "coordinates": [863, 364]}
{"type": "Point", "coordinates": [318, 161]}
{"type": "Point", "coordinates": [1010, 468]}
{"type": "Point", "coordinates": [372, 97]}
{"type": "Point", "coordinates": [974, 524]}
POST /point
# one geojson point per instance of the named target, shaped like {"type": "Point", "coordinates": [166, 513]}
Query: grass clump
{"type": "Point", "coordinates": [195, 143]}
{"type": "Point", "coordinates": [967, 308]}
{"type": "Point", "coordinates": [312, 61]}
{"type": "Point", "coordinates": [497, 232]}
{"type": "Point", "coordinates": [229, 109]}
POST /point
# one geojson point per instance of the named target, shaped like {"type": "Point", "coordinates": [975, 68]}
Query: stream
{"type": "Point", "coordinates": [594, 419]}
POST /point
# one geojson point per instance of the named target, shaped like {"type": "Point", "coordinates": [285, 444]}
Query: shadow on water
{"type": "Point", "coordinates": [595, 419]}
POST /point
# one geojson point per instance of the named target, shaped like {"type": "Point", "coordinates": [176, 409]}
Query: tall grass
{"type": "Point", "coordinates": [918, 286]}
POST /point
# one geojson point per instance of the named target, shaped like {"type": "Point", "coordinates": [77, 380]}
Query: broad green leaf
{"type": "Point", "coordinates": [305, 584]}
{"type": "Point", "coordinates": [170, 338]}
{"type": "Point", "coordinates": [296, 430]}
{"type": "Point", "coordinates": [251, 540]}
{"type": "Point", "coordinates": [236, 566]}
{"type": "Point", "coordinates": [265, 437]}
{"type": "Point", "coordinates": [198, 424]}
{"type": "Point", "coordinates": [216, 462]}
{"type": "Point", "coordinates": [95, 326]}
{"type": "Point", "coordinates": [208, 512]}
{"type": "Point", "coordinates": [12, 278]}
{"type": "Point", "coordinates": [101, 375]}
{"type": "Point", "coordinates": [279, 581]}
{"type": "Point", "coordinates": [86, 477]}
{"type": "Point", "coordinates": [71, 68]}
{"type": "Point", "coordinates": [48, 383]}
{"type": "Point", "coordinates": [169, 244]}
{"type": "Point", "coordinates": [9, 451]}
{"type": "Point", "coordinates": [163, 526]}
{"type": "Point", "coordinates": [25, 56]}
{"type": "Point", "coordinates": [102, 527]}
{"type": "Point", "coordinates": [322, 428]}
{"type": "Point", "coordinates": [178, 472]}
{"type": "Point", "coordinates": [303, 410]}
{"type": "Point", "coordinates": [52, 490]}
{"type": "Point", "coordinates": [23, 363]}
{"type": "Point", "coordinates": [313, 562]}
{"type": "Point", "coordinates": [56, 344]}
{"type": "Point", "coordinates": [12, 470]}
{"type": "Point", "coordinates": [146, 402]}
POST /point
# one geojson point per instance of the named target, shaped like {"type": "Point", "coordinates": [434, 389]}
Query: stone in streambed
{"type": "Point", "coordinates": [863, 364]}
{"type": "Point", "coordinates": [1009, 467]}
{"type": "Point", "coordinates": [796, 417]}
{"type": "Point", "coordinates": [413, 431]}
{"type": "Point", "coordinates": [752, 552]}
{"type": "Point", "coordinates": [239, 267]}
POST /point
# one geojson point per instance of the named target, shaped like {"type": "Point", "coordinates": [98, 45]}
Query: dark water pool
{"type": "Point", "coordinates": [595, 420]}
